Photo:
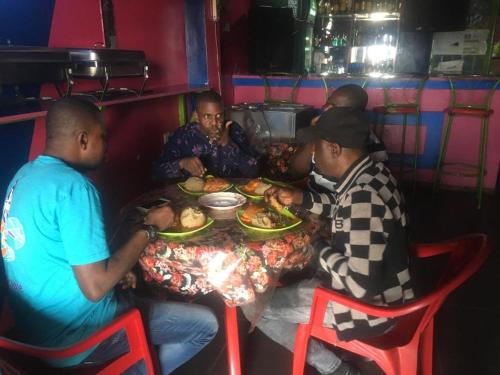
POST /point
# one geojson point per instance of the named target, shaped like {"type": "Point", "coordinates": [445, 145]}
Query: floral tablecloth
{"type": "Point", "coordinates": [226, 258]}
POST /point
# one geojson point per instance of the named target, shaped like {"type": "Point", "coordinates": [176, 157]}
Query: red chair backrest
{"type": "Point", "coordinates": [465, 255]}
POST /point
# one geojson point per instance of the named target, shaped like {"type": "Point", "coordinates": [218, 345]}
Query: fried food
{"type": "Point", "coordinates": [250, 212]}
{"type": "Point", "coordinates": [252, 185]}
{"type": "Point", "coordinates": [273, 202]}
{"type": "Point", "coordinates": [256, 186]}
{"type": "Point", "coordinates": [194, 184]}
{"type": "Point", "coordinates": [215, 184]}
{"type": "Point", "coordinates": [192, 217]}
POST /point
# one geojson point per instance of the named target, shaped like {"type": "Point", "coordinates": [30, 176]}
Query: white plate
{"type": "Point", "coordinates": [222, 200]}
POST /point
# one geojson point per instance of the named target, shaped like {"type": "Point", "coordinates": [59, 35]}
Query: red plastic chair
{"type": "Point", "coordinates": [232, 340]}
{"type": "Point", "coordinates": [131, 322]}
{"type": "Point", "coordinates": [397, 352]}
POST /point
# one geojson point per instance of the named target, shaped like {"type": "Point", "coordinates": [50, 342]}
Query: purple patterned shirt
{"type": "Point", "coordinates": [236, 159]}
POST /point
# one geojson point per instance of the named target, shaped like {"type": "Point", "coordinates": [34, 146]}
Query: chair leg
{"type": "Point", "coordinates": [442, 153]}
{"type": "Point", "coordinates": [417, 148]}
{"type": "Point", "coordinates": [403, 144]}
{"type": "Point", "coordinates": [380, 126]}
{"type": "Point", "coordinates": [232, 341]}
{"type": "Point", "coordinates": [300, 349]}
{"type": "Point", "coordinates": [482, 160]}
{"type": "Point", "coordinates": [408, 360]}
{"type": "Point", "coordinates": [427, 341]}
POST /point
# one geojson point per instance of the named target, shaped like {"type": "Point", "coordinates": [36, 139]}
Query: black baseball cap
{"type": "Point", "coordinates": [346, 126]}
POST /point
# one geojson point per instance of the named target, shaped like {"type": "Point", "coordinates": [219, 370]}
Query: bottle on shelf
{"type": "Point", "coordinates": [369, 6]}
{"type": "Point", "coordinates": [344, 40]}
{"type": "Point", "coordinates": [321, 7]}
{"type": "Point", "coordinates": [335, 7]}
{"type": "Point", "coordinates": [363, 6]}
{"type": "Point", "coordinates": [357, 6]}
{"type": "Point", "coordinates": [343, 6]}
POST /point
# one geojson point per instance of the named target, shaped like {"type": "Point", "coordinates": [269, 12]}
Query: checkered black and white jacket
{"type": "Point", "coordinates": [367, 258]}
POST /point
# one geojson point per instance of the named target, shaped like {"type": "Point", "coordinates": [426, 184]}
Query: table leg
{"type": "Point", "coordinates": [232, 341]}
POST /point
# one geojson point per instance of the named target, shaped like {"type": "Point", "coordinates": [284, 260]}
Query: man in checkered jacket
{"type": "Point", "coordinates": [367, 255]}
{"type": "Point", "coordinates": [321, 196]}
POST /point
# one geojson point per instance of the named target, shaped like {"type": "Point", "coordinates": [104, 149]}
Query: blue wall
{"type": "Point", "coordinates": [22, 22]}
{"type": "Point", "coordinates": [196, 46]}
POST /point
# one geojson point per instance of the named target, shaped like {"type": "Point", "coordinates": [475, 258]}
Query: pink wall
{"type": "Point", "coordinates": [464, 140]}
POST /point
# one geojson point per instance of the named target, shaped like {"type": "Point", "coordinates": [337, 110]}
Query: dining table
{"type": "Point", "coordinates": [242, 265]}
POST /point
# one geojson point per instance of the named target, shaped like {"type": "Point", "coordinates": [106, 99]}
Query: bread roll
{"type": "Point", "coordinates": [192, 217]}
{"type": "Point", "coordinates": [194, 184]}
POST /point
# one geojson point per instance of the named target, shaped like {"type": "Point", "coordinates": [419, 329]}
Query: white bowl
{"type": "Point", "coordinates": [222, 201]}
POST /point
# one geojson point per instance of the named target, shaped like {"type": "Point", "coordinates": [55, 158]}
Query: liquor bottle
{"type": "Point", "coordinates": [343, 6]}
{"type": "Point", "coordinates": [363, 6]}
{"type": "Point", "coordinates": [336, 7]}
{"type": "Point", "coordinates": [357, 6]}
{"type": "Point", "coordinates": [369, 6]}
{"type": "Point", "coordinates": [329, 7]}
{"type": "Point", "coordinates": [321, 7]}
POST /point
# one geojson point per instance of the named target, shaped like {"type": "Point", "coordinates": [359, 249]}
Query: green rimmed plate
{"type": "Point", "coordinates": [239, 188]}
{"type": "Point", "coordinates": [295, 222]}
{"type": "Point", "coordinates": [181, 185]}
{"type": "Point", "coordinates": [177, 233]}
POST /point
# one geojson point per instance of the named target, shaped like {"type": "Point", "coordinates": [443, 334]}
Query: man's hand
{"type": "Point", "coordinates": [193, 165]}
{"type": "Point", "coordinates": [129, 280]}
{"type": "Point", "coordinates": [161, 217]}
{"type": "Point", "coordinates": [225, 138]}
{"type": "Point", "coordinates": [286, 197]}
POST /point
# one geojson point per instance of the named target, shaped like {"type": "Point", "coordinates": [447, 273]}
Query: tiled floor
{"type": "Point", "coordinates": [467, 333]}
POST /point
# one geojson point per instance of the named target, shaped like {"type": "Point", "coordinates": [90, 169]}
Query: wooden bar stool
{"type": "Point", "coordinates": [402, 100]}
{"type": "Point", "coordinates": [470, 96]}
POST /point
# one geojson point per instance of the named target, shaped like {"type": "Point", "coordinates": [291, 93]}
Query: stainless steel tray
{"type": "Point", "coordinates": [107, 63]}
{"type": "Point", "coordinates": [21, 65]}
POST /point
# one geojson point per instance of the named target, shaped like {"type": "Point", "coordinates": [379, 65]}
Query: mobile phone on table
{"type": "Point", "coordinates": [156, 203]}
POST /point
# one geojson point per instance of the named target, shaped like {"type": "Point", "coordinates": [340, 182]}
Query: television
{"type": "Point", "coordinates": [434, 15]}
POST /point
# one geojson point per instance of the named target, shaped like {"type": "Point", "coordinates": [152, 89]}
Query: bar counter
{"type": "Point", "coordinates": [464, 141]}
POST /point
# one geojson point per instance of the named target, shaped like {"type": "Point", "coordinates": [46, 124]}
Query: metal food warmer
{"type": "Point", "coordinates": [104, 64]}
{"type": "Point", "coordinates": [271, 122]}
{"type": "Point", "coordinates": [37, 65]}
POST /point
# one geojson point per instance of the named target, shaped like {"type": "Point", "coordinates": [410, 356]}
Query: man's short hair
{"type": "Point", "coordinates": [69, 115]}
{"type": "Point", "coordinates": [354, 96]}
{"type": "Point", "coordinates": [208, 97]}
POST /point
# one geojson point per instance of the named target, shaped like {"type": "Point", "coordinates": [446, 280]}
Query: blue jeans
{"type": "Point", "coordinates": [290, 306]}
{"type": "Point", "coordinates": [180, 331]}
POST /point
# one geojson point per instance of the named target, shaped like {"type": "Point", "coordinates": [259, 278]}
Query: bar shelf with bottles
{"type": "Point", "coordinates": [356, 37]}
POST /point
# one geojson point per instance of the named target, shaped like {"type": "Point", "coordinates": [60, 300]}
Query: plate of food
{"type": "Point", "coordinates": [189, 221]}
{"type": "Point", "coordinates": [256, 188]}
{"type": "Point", "coordinates": [265, 219]}
{"type": "Point", "coordinates": [199, 186]}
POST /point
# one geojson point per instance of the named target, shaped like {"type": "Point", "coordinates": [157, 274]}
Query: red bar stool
{"type": "Point", "coordinates": [471, 97]}
{"type": "Point", "coordinates": [402, 100]}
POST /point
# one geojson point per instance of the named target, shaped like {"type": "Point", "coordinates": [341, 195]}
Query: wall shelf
{"type": "Point", "coordinates": [159, 93]}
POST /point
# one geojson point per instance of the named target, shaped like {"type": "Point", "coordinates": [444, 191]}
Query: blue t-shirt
{"type": "Point", "coordinates": [52, 220]}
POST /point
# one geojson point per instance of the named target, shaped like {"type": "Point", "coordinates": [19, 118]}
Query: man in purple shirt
{"type": "Point", "coordinates": [211, 146]}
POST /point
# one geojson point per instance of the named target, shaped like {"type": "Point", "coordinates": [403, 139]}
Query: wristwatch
{"type": "Point", "coordinates": [151, 232]}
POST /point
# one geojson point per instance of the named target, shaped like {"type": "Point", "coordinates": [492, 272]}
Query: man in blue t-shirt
{"type": "Point", "coordinates": [58, 265]}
